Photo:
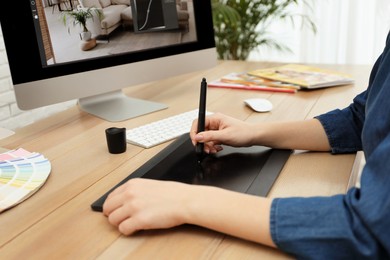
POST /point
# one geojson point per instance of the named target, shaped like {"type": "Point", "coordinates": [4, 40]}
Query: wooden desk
{"type": "Point", "coordinates": [57, 221]}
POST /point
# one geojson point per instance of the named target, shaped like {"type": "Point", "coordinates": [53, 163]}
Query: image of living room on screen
{"type": "Point", "coordinates": [112, 27]}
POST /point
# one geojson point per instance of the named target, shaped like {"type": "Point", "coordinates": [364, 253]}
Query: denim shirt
{"type": "Point", "coordinates": [355, 225]}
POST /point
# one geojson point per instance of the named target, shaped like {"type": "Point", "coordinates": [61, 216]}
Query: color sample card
{"type": "Point", "coordinates": [22, 173]}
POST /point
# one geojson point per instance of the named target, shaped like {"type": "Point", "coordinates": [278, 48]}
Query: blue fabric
{"type": "Point", "coordinates": [355, 225]}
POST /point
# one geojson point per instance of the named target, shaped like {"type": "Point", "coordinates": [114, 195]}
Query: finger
{"type": "Point", "coordinates": [117, 190]}
{"type": "Point", "coordinates": [212, 148]}
{"type": "Point", "coordinates": [213, 122]}
{"type": "Point", "coordinates": [119, 215]}
{"type": "Point", "coordinates": [122, 188]}
{"type": "Point", "coordinates": [212, 137]}
{"type": "Point", "coordinates": [194, 125]}
{"type": "Point", "coordinates": [216, 149]}
{"type": "Point", "coordinates": [128, 226]}
{"type": "Point", "coordinates": [112, 202]}
{"type": "Point", "coordinates": [194, 131]}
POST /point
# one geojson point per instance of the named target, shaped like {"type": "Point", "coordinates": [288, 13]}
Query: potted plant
{"type": "Point", "coordinates": [80, 17]}
{"type": "Point", "coordinates": [241, 26]}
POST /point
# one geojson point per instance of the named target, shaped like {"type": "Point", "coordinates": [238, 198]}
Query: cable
{"type": "Point", "coordinates": [147, 16]}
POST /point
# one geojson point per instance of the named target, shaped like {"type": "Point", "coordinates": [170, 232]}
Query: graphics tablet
{"type": "Point", "coordinates": [250, 170]}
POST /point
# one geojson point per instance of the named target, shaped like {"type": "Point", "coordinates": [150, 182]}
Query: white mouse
{"type": "Point", "coordinates": [259, 104]}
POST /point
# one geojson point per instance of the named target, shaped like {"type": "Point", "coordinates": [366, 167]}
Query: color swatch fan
{"type": "Point", "coordinates": [22, 173]}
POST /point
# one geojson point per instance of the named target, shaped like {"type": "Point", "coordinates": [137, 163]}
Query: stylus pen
{"type": "Point", "coordinates": [201, 118]}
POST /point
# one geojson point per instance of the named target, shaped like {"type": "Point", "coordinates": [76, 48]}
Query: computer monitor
{"type": "Point", "coordinates": [48, 66]}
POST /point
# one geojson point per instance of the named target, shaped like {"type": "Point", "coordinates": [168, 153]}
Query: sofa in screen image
{"type": "Point", "coordinates": [118, 13]}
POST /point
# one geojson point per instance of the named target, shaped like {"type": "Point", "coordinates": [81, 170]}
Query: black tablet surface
{"type": "Point", "coordinates": [251, 170]}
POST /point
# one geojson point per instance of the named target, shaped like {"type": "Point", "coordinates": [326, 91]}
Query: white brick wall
{"type": "Point", "coordinates": [11, 117]}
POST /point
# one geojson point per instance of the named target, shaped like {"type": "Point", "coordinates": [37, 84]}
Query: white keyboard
{"type": "Point", "coordinates": [162, 130]}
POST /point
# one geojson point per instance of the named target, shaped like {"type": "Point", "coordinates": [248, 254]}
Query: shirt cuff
{"type": "Point", "coordinates": [341, 133]}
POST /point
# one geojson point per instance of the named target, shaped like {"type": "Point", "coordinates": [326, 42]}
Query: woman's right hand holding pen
{"type": "Point", "coordinates": [221, 129]}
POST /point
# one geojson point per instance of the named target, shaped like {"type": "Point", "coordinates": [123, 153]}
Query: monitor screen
{"type": "Point", "coordinates": [132, 42]}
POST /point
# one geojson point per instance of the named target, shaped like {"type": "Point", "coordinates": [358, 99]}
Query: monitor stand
{"type": "Point", "coordinates": [116, 106]}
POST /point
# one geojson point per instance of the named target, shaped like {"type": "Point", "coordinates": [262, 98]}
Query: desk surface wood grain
{"type": "Point", "coordinates": [57, 222]}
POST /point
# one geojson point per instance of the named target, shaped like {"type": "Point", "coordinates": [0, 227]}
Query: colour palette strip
{"type": "Point", "coordinates": [22, 173]}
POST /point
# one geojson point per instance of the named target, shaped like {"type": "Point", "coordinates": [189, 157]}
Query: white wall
{"type": "Point", "coordinates": [349, 32]}
{"type": "Point", "coordinates": [11, 117]}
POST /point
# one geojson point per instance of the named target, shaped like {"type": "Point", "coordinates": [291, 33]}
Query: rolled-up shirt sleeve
{"type": "Point", "coordinates": [355, 225]}
{"type": "Point", "coordinates": [351, 226]}
{"type": "Point", "coordinates": [343, 127]}
{"type": "Point", "coordinates": [346, 226]}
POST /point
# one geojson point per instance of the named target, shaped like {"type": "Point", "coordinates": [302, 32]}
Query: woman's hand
{"type": "Point", "coordinates": [222, 129]}
{"type": "Point", "coordinates": [142, 204]}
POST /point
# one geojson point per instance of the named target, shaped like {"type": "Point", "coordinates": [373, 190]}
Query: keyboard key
{"type": "Point", "coordinates": [163, 130]}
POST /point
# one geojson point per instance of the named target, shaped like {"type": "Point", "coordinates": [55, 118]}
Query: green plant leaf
{"type": "Point", "coordinates": [80, 17]}
{"type": "Point", "coordinates": [241, 26]}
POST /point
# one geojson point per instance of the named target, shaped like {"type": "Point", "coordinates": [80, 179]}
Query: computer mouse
{"type": "Point", "coordinates": [259, 104]}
